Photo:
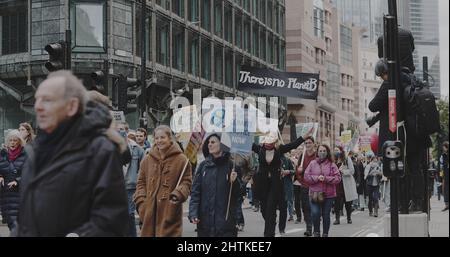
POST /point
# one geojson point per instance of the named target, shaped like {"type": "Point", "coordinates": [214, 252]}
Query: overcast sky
{"type": "Point", "coordinates": [443, 45]}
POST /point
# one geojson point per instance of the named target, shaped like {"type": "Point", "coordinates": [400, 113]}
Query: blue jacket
{"type": "Point", "coordinates": [209, 197]}
{"type": "Point", "coordinates": [137, 154]}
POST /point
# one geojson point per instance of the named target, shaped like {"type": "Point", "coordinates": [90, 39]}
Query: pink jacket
{"type": "Point", "coordinates": [332, 177]}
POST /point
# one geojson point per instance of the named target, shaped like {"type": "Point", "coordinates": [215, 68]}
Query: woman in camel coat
{"type": "Point", "coordinates": [158, 199]}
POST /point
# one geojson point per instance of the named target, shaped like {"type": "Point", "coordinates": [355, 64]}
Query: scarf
{"type": "Point", "coordinates": [14, 154]}
{"type": "Point", "coordinates": [269, 146]}
{"type": "Point", "coordinates": [48, 143]}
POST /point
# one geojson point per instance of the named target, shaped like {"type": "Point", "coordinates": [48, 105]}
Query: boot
{"type": "Point", "coordinates": [376, 210]}
{"type": "Point", "coordinates": [338, 220]}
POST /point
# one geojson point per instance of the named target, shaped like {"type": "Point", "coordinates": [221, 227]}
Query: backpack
{"type": "Point", "coordinates": [422, 115]}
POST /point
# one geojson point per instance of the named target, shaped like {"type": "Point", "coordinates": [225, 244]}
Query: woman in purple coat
{"type": "Point", "coordinates": [322, 175]}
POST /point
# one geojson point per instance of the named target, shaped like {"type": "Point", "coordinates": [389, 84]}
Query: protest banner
{"type": "Point", "coordinates": [274, 83]}
{"type": "Point", "coordinates": [303, 128]}
{"type": "Point", "coordinates": [118, 116]}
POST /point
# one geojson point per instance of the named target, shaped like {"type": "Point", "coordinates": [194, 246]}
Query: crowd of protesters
{"type": "Point", "coordinates": [85, 174]}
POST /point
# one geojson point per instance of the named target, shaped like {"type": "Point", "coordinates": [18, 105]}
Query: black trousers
{"type": "Point", "coordinates": [275, 200]}
{"type": "Point", "coordinates": [339, 204]}
{"type": "Point", "coordinates": [298, 201]}
{"type": "Point", "coordinates": [415, 175]}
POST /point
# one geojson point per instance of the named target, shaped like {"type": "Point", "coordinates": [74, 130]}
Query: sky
{"type": "Point", "coordinates": [444, 45]}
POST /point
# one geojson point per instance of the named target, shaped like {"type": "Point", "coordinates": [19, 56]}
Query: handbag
{"type": "Point", "coordinates": [318, 197]}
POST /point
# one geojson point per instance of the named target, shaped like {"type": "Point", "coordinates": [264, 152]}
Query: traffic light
{"type": "Point", "coordinates": [100, 81]}
{"type": "Point", "coordinates": [127, 96]}
{"type": "Point", "coordinates": [57, 56]}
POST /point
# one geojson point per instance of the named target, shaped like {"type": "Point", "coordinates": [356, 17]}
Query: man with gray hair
{"type": "Point", "coordinates": [72, 183]}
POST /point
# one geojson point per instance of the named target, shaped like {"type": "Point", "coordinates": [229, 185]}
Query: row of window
{"type": "Point", "coordinates": [269, 12]}
{"type": "Point", "coordinates": [264, 45]}
{"type": "Point", "coordinates": [88, 27]}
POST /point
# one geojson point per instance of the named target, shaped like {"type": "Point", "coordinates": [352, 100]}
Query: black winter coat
{"type": "Point", "coordinates": [81, 189]}
{"type": "Point", "coordinates": [10, 171]}
{"type": "Point", "coordinates": [209, 197]}
{"type": "Point", "coordinates": [262, 179]}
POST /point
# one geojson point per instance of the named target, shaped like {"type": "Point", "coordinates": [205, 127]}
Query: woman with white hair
{"type": "Point", "coordinates": [269, 186]}
{"type": "Point", "coordinates": [12, 159]}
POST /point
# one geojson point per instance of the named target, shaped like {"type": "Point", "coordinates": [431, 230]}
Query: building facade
{"type": "Point", "coordinates": [318, 42]}
{"type": "Point", "coordinates": [189, 44]}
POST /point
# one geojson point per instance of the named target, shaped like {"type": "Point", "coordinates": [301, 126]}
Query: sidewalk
{"type": "Point", "coordinates": [439, 220]}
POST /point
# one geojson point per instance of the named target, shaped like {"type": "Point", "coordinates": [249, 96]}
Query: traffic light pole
{"type": "Point", "coordinates": [392, 56]}
{"type": "Point", "coordinates": [142, 107]}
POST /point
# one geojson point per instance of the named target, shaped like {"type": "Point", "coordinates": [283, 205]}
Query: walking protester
{"type": "Point", "coordinates": [131, 173]}
{"type": "Point", "coordinates": [215, 192]}
{"type": "Point", "coordinates": [301, 190]}
{"type": "Point", "coordinates": [361, 188]}
{"type": "Point", "coordinates": [12, 159]}
{"type": "Point", "coordinates": [247, 169]}
{"type": "Point", "coordinates": [26, 132]}
{"type": "Point", "coordinates": [444, 167]}
{"type": "Point", "coordinates": [287, 173]}
{"type": "Point", "coordinates": [71, 158]}
{"type": "Point", "coordinates": [141, 139]}
{"type": "Point", "coordinates": [163, 185]}
{"type": "Point", "coordinates": [322, 176]}
{"type": "Point", "coordinates": [346, 189]}
{"type": "Point", "coordinates": [268, 182]}
{"type": "Point", "coordinates": [373, 175]}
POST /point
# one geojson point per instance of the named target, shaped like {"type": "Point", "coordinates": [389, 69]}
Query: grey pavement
{"type": "Point", "coordinates": [363, 225]}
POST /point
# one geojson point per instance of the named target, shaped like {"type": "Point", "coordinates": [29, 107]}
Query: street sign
{"type": "Point", "coordinates": [392, 111]}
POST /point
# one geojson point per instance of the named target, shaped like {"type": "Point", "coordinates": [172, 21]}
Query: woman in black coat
{"type": "Point", "coordinates": [269, 187]}
{"type": "Point", "coordinates": [215, 177]}
{"type": "Point", "coordinates": [12, 159]}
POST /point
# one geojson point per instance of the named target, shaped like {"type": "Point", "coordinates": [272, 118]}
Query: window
{"type": "Point", "coordinates": [206, 15]}
{"type": "Point", "coordinates": [262, 11]}
{"type": "Point", "coordinates": [228, 68]}
{"type": "Point", "coordinates": [277, 18]}
{"type": "Point", "coordinates": [14, 28]}
{"type": "Point", "coordinates": [193, 10]}
{"type": "Point", "coordinates": [282, 57]}
{"type": "Point", "coordinates": [270, 14]}
{"type": "Point", "coordinates": [247, 5]}
{"type": "Point", "coordinates": [206, 59]}
{"type": "Point", "coordinates": [137, 28]}
{"type": "Point", "coordinates": [270, 50]}
{"type": "Point", "coordinates": [228, 24]}
{"type": "Point", "coordinates": [178, 46]}
{"type": "Point", "coordinates": [255, 43]}
{"type": "Point", "coordinates": [346, 46]}
{"type": "Point", "coordinates": [178, 7]}
{"type": "Point", "coordinates": [238, 30]}
{"type": "Point", "coordinates": [318, 22]}
{"type": "Point", "coordinates": [163, 3]}
{"type": "Point", "coordinates": [218, 29]}
{"type": "Point", "coordinates": [262, 39]}
{"type": "Point", "coordinates": [218, 65]}
{"type": "Point", "coordinates": [88, 26]}
{"type": "Point", "coordinates": [247, 34]}
{"type": "Point", "coordinates": [162, 40]}
{"type": "Point", "coordinates": [193, 40]}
